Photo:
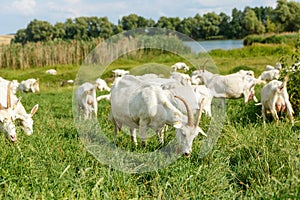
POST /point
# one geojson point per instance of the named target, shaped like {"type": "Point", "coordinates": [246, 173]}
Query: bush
{"type": "Point", "coordinates": [293, 71]}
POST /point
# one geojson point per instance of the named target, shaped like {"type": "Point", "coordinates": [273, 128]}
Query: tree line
{"type": "Point", "coordinates": [285, 17]}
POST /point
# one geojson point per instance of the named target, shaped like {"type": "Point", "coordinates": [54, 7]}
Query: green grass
{"type": "Point", "coordinates": [249, 161]}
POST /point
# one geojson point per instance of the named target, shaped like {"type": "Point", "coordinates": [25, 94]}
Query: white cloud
{"type": "Point", "coordinates": [26, 7]}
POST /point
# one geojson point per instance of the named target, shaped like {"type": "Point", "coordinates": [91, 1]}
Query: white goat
{"type": "Point", "coordinates": [85, 96]}
{"type": "Point", "coordinates": [51, 72]}
{"type": "Point", "coordinates": [269, 75]}
{"type": "Point", "coordinates": [230, 86]}
{"type": "Point", "coordinates": [202, 92]}
{"type": "Point", "coordinates": [15, 111]}
{"type": "Point", "coordinates": [102, 85]}
{"type": "Point", "coordinates": [274, 98]}
{"type": "Point", "coordinates": [180, 65]}
{"type": "Point", "coordinates": [30, 85]}
{"type": "Point", "coordinates": [182, 78]}
{"type": "Point", "coordinates": [149, 106]}
{"type": "Point", "coordinates": [7, 115]}
{"type": "Point", "coordinates": [270, 67]}
{"type": "Point", "coordinates": [120, 72]}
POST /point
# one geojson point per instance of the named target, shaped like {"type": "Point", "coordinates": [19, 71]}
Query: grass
{"type": "Point", "coordinates": [249, 161]}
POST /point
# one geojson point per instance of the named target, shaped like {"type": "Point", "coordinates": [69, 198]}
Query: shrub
{"type": "Point", "coordinates": [293, 71]}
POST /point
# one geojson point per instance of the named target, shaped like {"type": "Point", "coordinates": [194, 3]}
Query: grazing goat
{"type": "Point", "coordinates": [102, 85]}
{"type": "Point", "coordinates": [270, 67]}
{"type": "Point", "coordinates": [141, 106]}
{"type": "Point", "coordinates": [202, 92]}
{"type": "Point", "coordinates": [274, 98]}
{"type": "Point", "coordinates": [14, 111]}
{"type": "Point", "coordinates": [180, 65]}
{"type": "Point", "coordinates": [230, 86]}
{"type": "Point", "coordinates": [120, 72]}
{"type": "Point", "coordinates": [7, 115]}
{"type": "Point", "coordinates": [269, 75]}
{"type": "Point", "coordinates": [182, 78]}
{"type": "Point", "coordinates": [51, 72]}
{"type": "Point", "coordinates": [85, 96]}
{"type": "Point", "coordinates": [30, 85]}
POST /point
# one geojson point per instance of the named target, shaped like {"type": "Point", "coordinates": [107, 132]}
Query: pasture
{"type": "Point", "coordinates": [249, 161]}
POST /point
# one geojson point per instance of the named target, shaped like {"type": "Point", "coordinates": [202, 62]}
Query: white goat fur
{"type": "Point", "coordinates": [102, 85]}
{"type": "Point", "coordinates": [230, 86]}
{"type": "Point", "coordinates": [51, 72]}
{"type": "Point", "coordinates": [85, 96]}
{"type": "Point", "coordinates": [30, 85]}
{"type": "Point", "coordinates": [141, 106]}
{"type": "Point", "coordinates": [15, 111]}
{"type": "Point", "coordinates": [269, 75]}
{"type": "Point", "coordinates": [180, 65]}
{"type": "Point", "coordinates": [275, 98]}
{"type": "Point", "coordinates": [202, 92]}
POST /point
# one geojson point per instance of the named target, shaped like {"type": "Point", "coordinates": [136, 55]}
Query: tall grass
{"type": "Point", "coordinates": [40, 54]}
{"type": "Point", "coordinates": [283, 38]}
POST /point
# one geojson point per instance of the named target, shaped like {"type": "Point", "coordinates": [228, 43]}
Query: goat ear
{"type": "Point", "coordinates": [34, 109]}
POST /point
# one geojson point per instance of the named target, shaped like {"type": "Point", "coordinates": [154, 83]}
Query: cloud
{"type": "Point", "coordinates": [26, 7]}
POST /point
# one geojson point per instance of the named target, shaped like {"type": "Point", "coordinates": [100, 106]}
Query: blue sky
{"type": "Point", "coordinates": [16, 14]}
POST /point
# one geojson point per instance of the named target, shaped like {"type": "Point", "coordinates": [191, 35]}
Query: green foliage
{"type": "Point", "coordinates": [284, 38]}
{"type": "Point", "coordinates": [258, 20]}
{"type": "Point", "coordinates": [293, 71]}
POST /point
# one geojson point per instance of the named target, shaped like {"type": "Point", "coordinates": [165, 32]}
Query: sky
{"type": "Point", "coordinates": [16, 14]}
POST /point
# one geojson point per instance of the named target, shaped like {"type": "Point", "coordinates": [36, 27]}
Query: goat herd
{"type": "Point", "coordinates": [150, 101]}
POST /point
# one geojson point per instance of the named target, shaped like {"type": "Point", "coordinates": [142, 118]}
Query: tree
{"type": "Point", "coordinates": [168, 22]}
{"type": "Point", "coordinates": [39, 31]}
{"type": "Point", "coordinates": [236, 27]}
{"type": "Point", "coordinates": [252, 24]}
{"type": "Point", "coordinates": [20, 37]}
{"type": "Point", "coordinates": [224, 25]}
{"type": "Point", "coordinates": [129, 22]}
{"type": "Point", "coordinates": [287, 15]}
{"type": "Point", "coordinates": [270, 26]}
{"type": "Point", "coordinates": [59, 30]}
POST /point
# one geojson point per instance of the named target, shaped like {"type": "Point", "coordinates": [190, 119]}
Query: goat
{"type": "Point", "coordinates": [85, 96]}
{"type": "Point", "coordinates": [120, 72]}
{"type": "Point", "coordinates": [275, 98]}
{"type": "Point", "coordinates": [230, 86]}
{"type": "Point", "coordinates": [51, 72]}
{"type": "Point", "coordinates": [141, 106]}
{"type": "Point", "coordinates": [102, 85]}
{"type": "Point", "coordinates": [269, 75]}
{"type": "Point", "coordinates": [182, 78]}
{"type": "Point", "coordinates": [180, 65]}
{"type": "Point", "coordinates": [29, 85]}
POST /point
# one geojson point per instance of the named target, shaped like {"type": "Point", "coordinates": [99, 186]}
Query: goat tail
{"type": "Point", "coordinates": [258, 104]}
{"type": "Point", "coordinates": [283, 85]}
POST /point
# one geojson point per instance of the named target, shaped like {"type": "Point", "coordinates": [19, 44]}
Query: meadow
{"type": "Point", "coordinates": [249, 161]}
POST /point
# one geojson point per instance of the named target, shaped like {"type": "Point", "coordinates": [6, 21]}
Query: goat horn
{"type": "Point", "coordinates": [189, 111]}
{"type": "Point", "coordinates": [8, 96]}
{"type": "Point", "coordinates": [199, 113]}
{"type": "Point", "coordinates": [204, 64]}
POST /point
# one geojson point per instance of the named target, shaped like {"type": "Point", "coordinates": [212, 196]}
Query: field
{"type": "Point", "coordinates": [249, 161]}
{"type": "Point", "coordinates": [5, 39]}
